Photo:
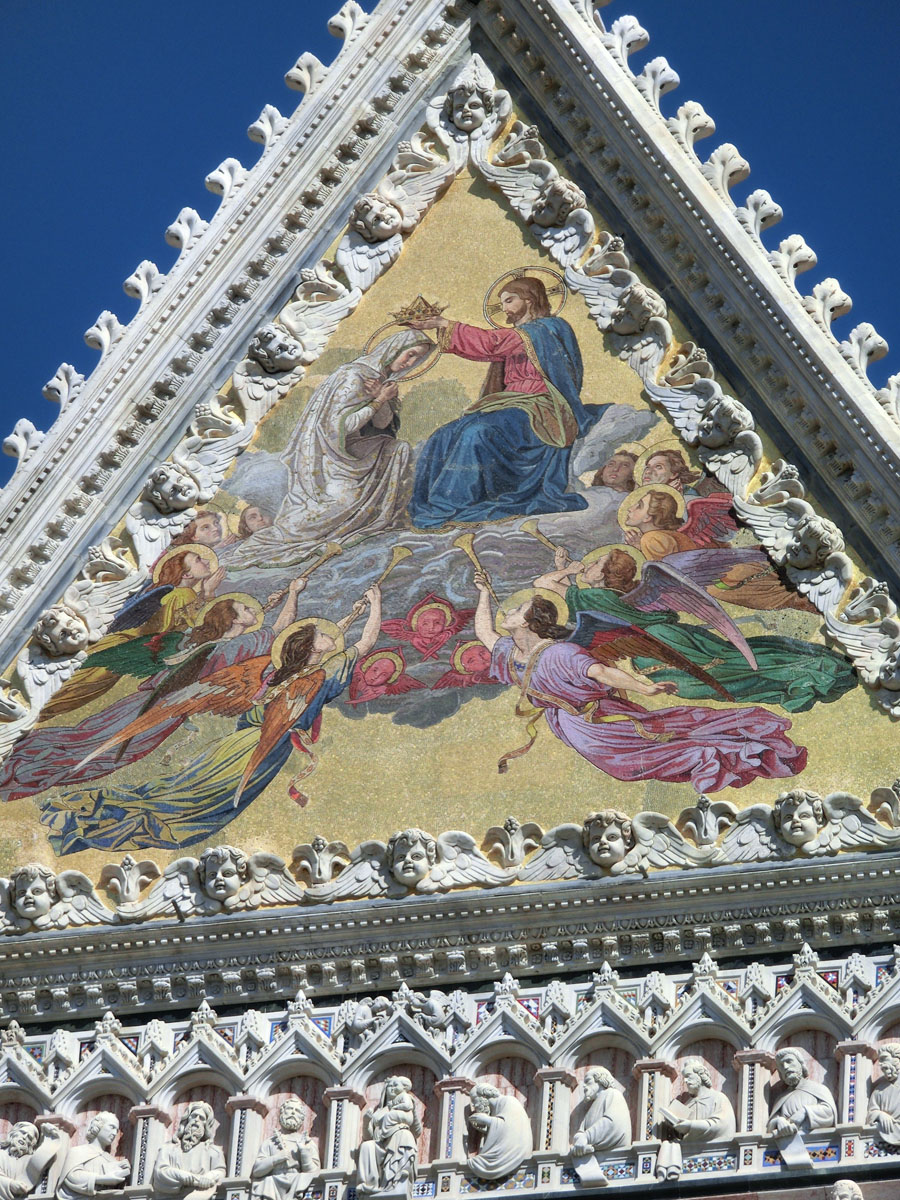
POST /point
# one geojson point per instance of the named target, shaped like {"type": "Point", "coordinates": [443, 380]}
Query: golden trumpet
{"type": "Point", "coordinates": [331, 550]}
{"type": "Point", "coordinates": [397, 556]}
{"type": "Point", "coordinates": [466, 543]}
{"type": "Point", "coordinates": [531, 527]}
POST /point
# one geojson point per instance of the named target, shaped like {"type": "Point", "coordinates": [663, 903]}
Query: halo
{"type": "Point", "coordinates": [426, 364]}
{"type": "Point", "coordinates": [459, 651]}
{"type": "Point", "coordinates": [492, 303]}
{"type": "Point", "coordinates": [593, 555]}
{"type": "Point", "coordinates": [647, 454]}
{"type": "Point", "coordinates": [517, 598]}
{"type": "Point", "coordinates": [243, 598]}
{"type": "Point", "coordinates": [639, 492]}
{"type": "Point", "coordinates": [441, 604]}
{"type": "Point", "coordinates": [207, 553]}
{"type": "Point", "coordinates": [376, 655]}
{"type": "Point", "coordinates": [321, 623]}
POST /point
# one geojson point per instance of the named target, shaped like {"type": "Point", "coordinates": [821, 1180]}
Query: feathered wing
{"type": "Point", "coordinates": [226, 693]}
{"type": "Point", "coordinates": [773, 523]}
{"type": "Point", "coordinates": [753, 838]}
{"type": "Point", "coordinates": [520, 184]}
{"type": "Point", "coordinates": [280, 714]}
{"type": "Point", "coordinates": [707, 566]}
{"type": "Point", "coordinates": [737, 463]}
{"type": "Point", "coordinates": [567, 243]}
{"type": "Point", "coordinates": [460, 863]}
{"type": "Point", "coordinates": [710, 520]}
{"type": "Point", "coordinates": [562, 856]}
{"type": "Point", "coordinates": [363, 262]}
{"type": "Point", "coordinates": [663, 587]}
{"type": "Point", "coordinates": [405, 683]}
{"type": "Point", "coordinates": [269, 883]}
{"type": "Point", "coordinates": [658, 843]}
{"type": "Point", "coordinates": [397, 627]}
{"type": "Point", "coordinates": [138, 611]}
{"type": "Point", "coordinates": [851, 827]}
{"type": "Point", "coordinates": [178, 893]}
{"type": "Point", "coordinates": [366, 875]}
{"type": "Point", "coordinates": [610, 640]}
{"type": "Point", "coordinates": [256, 385]}
{"type": "Point", "coordinates": [601, 292]}
{"type": "Point", "coordinates": [78, 903]}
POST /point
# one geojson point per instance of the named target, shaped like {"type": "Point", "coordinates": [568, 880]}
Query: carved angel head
{"type": "Point", "coordinates": [696, 1074]}
{"type": "Point", "coordinates": [221, 871]}
{"type": "Point", "coordinates": [374, 218]}
{"type": "Point", "coordinates": [798, 816]}
{"type": "Point", "coordinates": [411, 853]}
{"type": "Point", "coordinates": [470, 100]}
{"type": "Point", "coordinates": [103, 1129]}
{"type": "Point", "coordinates": [21, 1139]}
{"type": "Point", "coordinates": [636, 306]}
{"type": "Point", "coordinates": [889, 1061]}
{"type": "Point", "coordinates": [61, 631]}
{"type": "Point", "coordinates": [171, 488]}
{"type": "Point", "coordinates": [33, 891]}
{"type": "Point", "coordinates": [814, 539]}
{"type": "Point", "coordinates": [607, 837]}
{"type": "Point", "coordinates": [889, 671]}
{"type": "Point", "coordinates": [721, 422]}
{"type": "Point", "coordinates": [197, 1124]}
{"type": "Point", "coordinates": [792, 1066]}
{"type": "Point", "coordinates": [845, 1189]}
{"type": "Point", "coordinates": [555, 203]}
{"type": "Point", "coordinates": [290, 1116]}
{"type": "Point", "coordinates": [274, 349]}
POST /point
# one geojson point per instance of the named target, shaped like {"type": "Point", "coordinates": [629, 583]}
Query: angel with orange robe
{"type": "Point", "coordinates": [278, 700]}
{"type": "Point", "coordinates": [429, 624]}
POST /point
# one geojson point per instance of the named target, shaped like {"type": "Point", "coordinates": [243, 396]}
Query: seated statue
{"type": "Point", "coordinates": [288, 1161]}
{"type": "Point", "coordinates": [884, 1102]}
{"type": "Point", "coordinates": [25, 1154]}
{"type": "Point", "coordinates": [606, 1126]}
{"type": "Point", "coordinates": [503, 1130]}
{"type": "Point", "coordinates": [93, 1165]}
{"type": "Point", "coordinates": [387, 1156]}
{"type": "Point", "coordinates": [803, 1106]}
{"type": "Point", "coordinates": [191, 1166]}
{"type": "Point", "coordinates": [701, 1115]}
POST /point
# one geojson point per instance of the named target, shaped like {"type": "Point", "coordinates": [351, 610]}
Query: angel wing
{"type": "Point", "coordinates": [418, 178]}
{"type": "Point", "coordinates": [78, 903]}
{"type": "Point", "coordinates": [773, 524]}
{"type": "Point", "coordinates": [178, 894]}
{"type": "Point", "coordinates": [710, 520]}
{"type": "Point", "coordinates": [567, 243]}
{"type": "Point", "coordinates": [216, 434]}
{"type": "Point", "coordinates": [601, 291]}
{"type": "Point", "coordinates": [269, 883]}
{"type": "Point", "coordinates": [280, 714]}
{"type": "Point", "coordinates": [685, 405]}
{"type": "Point", "coordinates": [405, 683]}
{"type": "Point", "coordinates": [520, 184]}
{"type": "Point", "coordinates": [707, 566]}
{"type": "Point", "coordinates": [460, 863]}
{"type": "Point", "coordinates": [663, 587]}
{"type": "Point", "coordinates": [753, 838]}
{"type": "Point", "coordinates": [151, 531]}
{"type": "Point", "coordinates": [366, 875]}
{"type": "Point", "coordinates": [610, 639]}
{"type": "Point", "coordinates": [850, 827]}
{"type": "Point", "coordinates": [226, 693]}
{"type": "Point", "coordinates": [320, 304]}
{"type": "Point", "coordinates": [363, 262]}
{"type": "Point", "coordinates": [562, 856]}
{"type": "Point", "coordinates": [43, 676]}
{"type": "Point", "coordinates": [736, 464]}
{"type": "Point", "coordinates": [106, 582]}
{"type": "Point", "coordinates": [137, 611]}
{"type": "Point", "coordinates": [252, 383]}
{"type": "Point", "coordinates": [658, 843]}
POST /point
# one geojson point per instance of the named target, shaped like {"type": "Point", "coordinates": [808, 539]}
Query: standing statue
{"type": "Point", "coordinates": [503, 1130]}
{"type": "Point", "coordinates": [884, 1102]}
{"type": "Point", "coordinates": [704, 1115]}
{"type": "Point", "coordinates": [802, 1107]}
{"type": "Point", "coordinates": [287, 1161]}
{"type": "Point", "coordinates": [191, 1166]}
{"type": "Point", "coordinates": [606, 1126]}
{"type": "Point", "coordinates": [25, 1155]}
{"type": "Point", "coordinates": [94, 1165]}
{"type": "Point", "coordinates": [387, 1156]}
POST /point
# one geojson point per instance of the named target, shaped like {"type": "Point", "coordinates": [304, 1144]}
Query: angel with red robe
{"type": "Point", "coordinates": [381, 673]}
{"type": "Point", "coordinates": [429, 624]}
{"type": "Point", "coordinates": [470, 664]}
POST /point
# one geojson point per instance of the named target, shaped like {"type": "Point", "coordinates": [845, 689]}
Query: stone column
{"type": "Point", "coordinates": [655, 1077]}
{"type": "Point", "coordinates": [150, 1129]}
{"type": "Point", "coordinates": [556, 1108]}
{"type": "Point", "coordinates": [856, 1059]}
{"type": "Point", "coordinates": [344, 1106]}
{"type": "Point", "coordinates": [247, 1116]}
{"type": "Point", "coordinates": [453, 1127]}
{"type": "Point", "coordinates": [754, 1068]}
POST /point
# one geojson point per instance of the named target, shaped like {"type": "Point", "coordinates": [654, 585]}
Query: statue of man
{"type": "Point", "coordinates": [24, 1157]}
{"type": "Point", "coordinates": [94, 1165]}
{"type": "Point", "coordinates": [606, 1124]}
{"type": "Point", "coordinates": [191, 1166]}
{"type": "Point", "coordinates": [702, 1115]}
{"type": "Point", "coordinates": [502, 1128]}
{"type": "Point", "coordinates": [884, 1102]}
{"type": "Point", "coordinates": [803, 1106]}
{"type": "Point", "coordinates": [287, 1161]}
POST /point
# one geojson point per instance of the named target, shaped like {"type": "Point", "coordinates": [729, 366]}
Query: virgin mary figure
{"type": "Point", "coordinates": [348, 473]}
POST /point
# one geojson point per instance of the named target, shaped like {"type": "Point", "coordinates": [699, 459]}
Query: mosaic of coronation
{"type": "Point", "coordinates": [557, 549]}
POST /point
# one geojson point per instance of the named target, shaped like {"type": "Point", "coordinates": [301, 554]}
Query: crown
{"type": "Point", "coordinates": [418, 310]}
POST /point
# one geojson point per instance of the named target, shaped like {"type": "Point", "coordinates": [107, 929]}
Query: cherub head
{"type": "Point", "coordinates": [636, 306]}
{"type": "Point", "coordinates": [470, 100]}
{"type": "Point", "coordinates": [607, 836]}
{"type": "Point", "coordinates": [798, 816]}
{"type": "Point", "coordinates": [196, 1125]}
{"type": "Point", "coordinates": [103, 1129]}
{"type": "Point", "coordinates": [889, 1061]}
{"type": "Point", "coordinates": [411, 853]}
{"type": "Point", "coordinates": [374, 218]}
{"type": "Point", "coordinates": [21, 1139]}
{"type": "Point", "coordinates": [555, 203]}
{"type": "Point", "coordinates": [696, 1075]}
{"type": "Point", "coordinates": [221, 871]}
{"type": "Point", "coordinates": [290, 1116]}
{"type": "Point", "coordinates": [33, 891]}
{"type": "Point", "coordinates": [791, 1066]}
{"type": "Point", "coordinates": [845, 1189]}
{"type": "Point", "coordinates": [721, 422]}
{"type": "Point", "coordinates": [597, 1080]}
{"type": "Point", "coordinates": [274, 349]}
{"type": "Point", "coordinates": [813, 539]}
{"type": "Point", "coordinates": [171, 488]}
{"type": "Point", "coordinates": [61, 631]}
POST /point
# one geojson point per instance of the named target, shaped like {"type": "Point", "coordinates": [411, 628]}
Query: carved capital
{"type": "Point", "coordinates": [455, 1083]}
{"type": "Point", "coordinates": [644, 1065]}
{"type": "Point", "coordinates": [244, 1100]}
{"type": "Point", "coordinates": [747, 1058]}
{"type": "Point", "coordinates": [842, 1049]}
{"type": "Point", "coordinates": [552, 1075]}
{"type": "Point", "coordinates": [330, 1095]}
{"type": "Point", "coordinates": [149, 1112]}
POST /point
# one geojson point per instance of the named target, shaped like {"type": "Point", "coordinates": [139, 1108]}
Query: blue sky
{"type": "Point", "coordinates": [114, 113]}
